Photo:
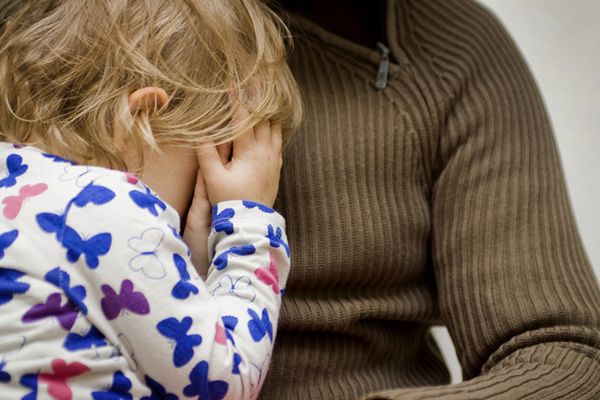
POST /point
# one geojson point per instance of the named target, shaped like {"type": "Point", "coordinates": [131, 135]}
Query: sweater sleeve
{"type": "Point", "coordinates": [516, 290]}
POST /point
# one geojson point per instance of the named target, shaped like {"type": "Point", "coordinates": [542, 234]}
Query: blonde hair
{"type": "Point", "coordinates": [68, 66]}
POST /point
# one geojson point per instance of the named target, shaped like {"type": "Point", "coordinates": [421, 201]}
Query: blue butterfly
{"type": "Point", "coordinates": [275, 238]}
{"type": "Point", "coordinates": [158, 391]}
{"type": "Point", "coordinates": [203, 388]}
{"type": "Point", "coordinates": [7, 239]}
{"type": "Point", "coordinates": [94, 194]}
{"type": "Point", "coordinates": [94, 338]}
{"type": "Point", "coordinates": [184, 343]}
{"type": "Point", "coordinates": [221, 261]}
{"type": "Point", "coordinates": [30, 382]}
{"type": "Point", "coordinates": [147, 201]}
{"type": "Point", "coordinates": [92, 248]}
{"type": "Point", "coordinates": [9, 285]}
{"type": "Point", "coordinates": [4, 376]}
{"type": "Point", "coordinates": [229, 322]}
{"type": "Point", "coordinates": [261, 207]}
{"type": "Point", "coordinates": [184, 287]}
{"type": "Point", "coordinates": [259, 327]}
{"type": "Point", "coordinates": [57, 159]}
{"type": "Point", "coordinates": [119, 390]}
{"type": "Point", "coordinates": [62, 280]}
{"type": "Point", "coordinates": [221, 221]}
{"type": "Point", "coordinates": [51, 223]}
{"type": "Point", "coordinates": [16, 168]}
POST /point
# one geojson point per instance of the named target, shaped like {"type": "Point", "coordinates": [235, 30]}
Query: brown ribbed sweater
{"type": "Point", "coordinates": [438, 200]}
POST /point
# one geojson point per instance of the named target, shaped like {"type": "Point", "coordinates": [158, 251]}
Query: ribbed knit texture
{"type": "Point", "coordinates": [440, 199]}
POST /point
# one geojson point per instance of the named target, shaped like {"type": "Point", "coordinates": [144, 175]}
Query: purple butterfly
{"type": "Point", "coordinates": [113, 303]}
{"type": "Point", "coordinates": [65, 314]}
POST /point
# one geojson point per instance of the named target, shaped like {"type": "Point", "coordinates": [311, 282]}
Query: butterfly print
{"type": "Point", "coordinates": [202, 387]}
{"type": "Point", "coordinates": [221, 221]}
{"type": "Point", "coordinates": [92, 339]}
{"type": "Point", "coordinates": [158, 391]}
{"type": "Point", "coordinates": [241, 287]}
{"type": "Point", "coordinates": [225, 332]}
{"type": "Point", "coordinates": [62, 280]}
{"type": "Point", "coordinates": [9, 286]}
{"type": "Point", "coordinates": [65, 314]}
{"type": "Point", "coordinates": [7, 239]}
{"type": "Point", "coordinates": [92, 248]}
{"type": "Point", "coordinates": [220, 262]}
{"type": "Point", "coordinates": [119, 389]}
{"type": "Point", "coordinates": [260, 326]}
{"type": "Point", "coordinates": [16, 168]}
{"type": "Point", "coordinates": [13, 204]}
{"type": "Point", "coordinates": [275, 238]}
{"type": "Point", "coordinates": [147, 201]}
{"type": "Point", "coordinates": [30, 381]}
{"type": "Point", "coordinates": [184, 343]}
{"type": "Point", "coordinates": [4, 376]}
{"type": "Point", "coordinates": [147, 247]}
{"type": "Point", "coordinates": [124, 347]}
{"type": "Point", "coordinates": [261, 207]}
{"type": "Point", "coordinates": [76, 246]}
{"type": "Point", "coordinates": [269, 276]}
{"type": "Point", "coordinates": [57, 159]}
{"type": "Point", "coordinates": [57, 380]}
{"type": "Point", "coordinates": [127, 299]}
{"type": "Point", "coordinates": [93, 194]}
{"type": "Point", "coordinates": [184, 287]}
{"type": "Point", "coordinates": [83, 176]}
{"type": "Point", "coordinates": [131, 178]}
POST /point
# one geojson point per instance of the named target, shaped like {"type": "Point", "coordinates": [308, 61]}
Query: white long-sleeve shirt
{"type": "Point", "coordinates": [98, 297]}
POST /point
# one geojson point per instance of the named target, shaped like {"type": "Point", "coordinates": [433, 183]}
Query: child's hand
{"type": "Point", "coordinates": [254, 168]}
{"type": "Point", "coordinates": [197, 227]}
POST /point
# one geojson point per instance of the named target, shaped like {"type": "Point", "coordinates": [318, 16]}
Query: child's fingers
{"type": "Point", "coordinates": [209, 159]}
{"type": "Point", "coordinates": [245, 139]}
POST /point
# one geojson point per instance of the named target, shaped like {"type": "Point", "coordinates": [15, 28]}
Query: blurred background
{"type": "Point", "coordinates": [561, 42]}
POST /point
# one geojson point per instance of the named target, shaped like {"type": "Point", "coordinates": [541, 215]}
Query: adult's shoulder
{"type": "Point", "coordinates": [453, 39]}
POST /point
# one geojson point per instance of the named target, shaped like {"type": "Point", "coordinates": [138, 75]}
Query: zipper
{"type": "Point", "coordinates": [384, 66]}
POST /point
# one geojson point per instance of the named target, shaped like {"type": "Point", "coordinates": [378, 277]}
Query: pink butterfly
{"type": "Point", "coordinates": [269, 276]}
{"type": "Point", "coordinates": [13, 204]}
{"type": "Point", "coordinates": [57, 380]}
{"type": "Point", "coordinates": [114, 303]}
{"type": "Point", "coordinates": [131, 178]}
{"type": "Point", "coordinates": [220, 335]}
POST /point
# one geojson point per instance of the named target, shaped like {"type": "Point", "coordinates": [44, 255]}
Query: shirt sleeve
{"type": "Point", "coordinates": [516, 289]}
{"type": "Point", "coordinates": [185, 336]}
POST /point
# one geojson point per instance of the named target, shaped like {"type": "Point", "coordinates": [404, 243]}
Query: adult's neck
{"type": "Point", "coordinates": [361, 21]}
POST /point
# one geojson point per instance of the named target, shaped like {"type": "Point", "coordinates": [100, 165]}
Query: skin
{"type": "Point", "coordinates": [191, 181]}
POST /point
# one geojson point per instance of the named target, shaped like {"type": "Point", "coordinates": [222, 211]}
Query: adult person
{"type": "Point", "coordinates": [425, 187]}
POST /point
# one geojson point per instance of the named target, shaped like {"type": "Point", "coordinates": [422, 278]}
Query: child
{"type": "Point", "coordinates": [98, 295]}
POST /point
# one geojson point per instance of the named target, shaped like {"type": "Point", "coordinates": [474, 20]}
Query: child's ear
{"type": "Point", "coordinates": [150, 97]}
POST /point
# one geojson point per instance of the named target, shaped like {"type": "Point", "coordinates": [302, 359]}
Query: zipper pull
{"type": "Point", "coordinates": [384, 66]}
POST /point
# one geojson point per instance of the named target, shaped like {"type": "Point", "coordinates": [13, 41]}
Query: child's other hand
{"type": "Point", "coordinates": [253, 171]}
{"type": "Point", "coordinates": [197, 227]}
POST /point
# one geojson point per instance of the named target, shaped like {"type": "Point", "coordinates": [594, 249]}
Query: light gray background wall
{"type": "Point", "coordinates": [561, 42]}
